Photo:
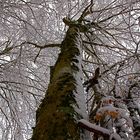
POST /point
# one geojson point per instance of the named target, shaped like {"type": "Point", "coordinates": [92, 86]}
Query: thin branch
{"type": "Point", "coordinates": [43, 47]}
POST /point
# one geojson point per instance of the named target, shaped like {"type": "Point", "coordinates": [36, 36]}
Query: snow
{"type": "Point", "coordinates": [79, 92]}
{"type": "Point", "coordinates": [115, 136]}
{"type": "Point", "coordinates": [96, 127]}
{"type": "Point", "coordinates": [114, 112]}
{"type": "Point", "coordinates": [100, 129]}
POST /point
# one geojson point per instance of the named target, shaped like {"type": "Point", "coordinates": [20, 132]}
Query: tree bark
{"type": "Point", "coordinates": [56, 117]}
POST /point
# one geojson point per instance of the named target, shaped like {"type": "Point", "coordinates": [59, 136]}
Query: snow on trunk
{"type": "Point", "coordinates": [79, 92]}
{"type": "Point", "coordinates": [64, 102]}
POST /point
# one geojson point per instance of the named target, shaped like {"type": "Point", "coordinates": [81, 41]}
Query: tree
{"type": "Point", "coordinates": [106, 36]}
{"type": "Point", "coordinates": [107, 115]}
{"type": "Point", "coordinates": [57, 115]}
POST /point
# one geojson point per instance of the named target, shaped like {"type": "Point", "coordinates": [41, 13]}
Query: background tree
{"type": "Point", "coordinates": [31, 31]}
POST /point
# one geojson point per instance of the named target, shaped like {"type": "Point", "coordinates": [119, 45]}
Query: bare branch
{"type": "Point", "coordinates": [45, 46]}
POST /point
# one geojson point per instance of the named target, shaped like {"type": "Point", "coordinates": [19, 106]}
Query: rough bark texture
{"type": "Point", "coordinates": [55, 119]}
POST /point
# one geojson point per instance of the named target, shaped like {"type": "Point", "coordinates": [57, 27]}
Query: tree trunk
{"type": "Point", "coordinates": [56, 118]}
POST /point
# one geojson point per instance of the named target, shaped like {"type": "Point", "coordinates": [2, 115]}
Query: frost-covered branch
{"type": "Point", "coordinates": [98, 130]}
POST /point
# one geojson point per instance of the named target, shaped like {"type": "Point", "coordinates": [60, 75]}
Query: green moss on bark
{"type": "Point", "coordinates": [55, 118]}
